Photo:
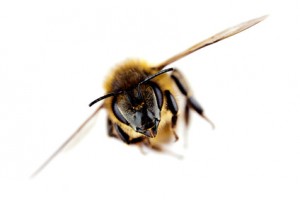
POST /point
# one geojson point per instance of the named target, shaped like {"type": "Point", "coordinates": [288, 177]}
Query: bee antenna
{"type": "Point", "coordinates": [151, 77]}
{"type": "Point", "coordinates": [103, 97]}
{"type": "Point", "coordinates": [144, 81]}
{"type": "Point", "coordinates": [155, 75]}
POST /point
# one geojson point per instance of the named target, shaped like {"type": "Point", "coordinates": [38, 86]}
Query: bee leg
{"type": "Point", "coordinates": [148, 144]}
{"type": "Point", "coordinates": [161, 149]}
{"type": "Point", "coordinates": [125, 137]}
{"type": "Point", "coordinates": [175, 135]}
{"type": "Point", "coordinates": [172, 106]}
{"type": "Point", "coordinates": [141, 147]}
{"type": "Point", "coordinates": [122, 135]}
{"type": "Point", "coordinates": [110, 131]}
{"type": "Point", "coordinates": [191, 103]}
{"type": "Point", "coordinates": [196, 107]}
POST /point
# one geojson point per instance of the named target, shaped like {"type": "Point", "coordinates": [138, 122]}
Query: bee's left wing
{"type": "Point", "coordinates": [66, 143]}
{"type": "Point", "coordinates": [211, 40]}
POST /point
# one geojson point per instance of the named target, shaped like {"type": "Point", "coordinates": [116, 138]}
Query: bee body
{"type": "Point", "coordinates": [141, 99]}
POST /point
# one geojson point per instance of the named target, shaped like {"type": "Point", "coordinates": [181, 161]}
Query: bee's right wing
{"type": "Point", "coordinates": [211, 40]}
{"type": "Point", "coordinates": [66, 143]}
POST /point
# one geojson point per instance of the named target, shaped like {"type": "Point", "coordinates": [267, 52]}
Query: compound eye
{"type": "Point", "coordinates": [125, 112]}
{"type": "Point", "coordinates": [117, 112]}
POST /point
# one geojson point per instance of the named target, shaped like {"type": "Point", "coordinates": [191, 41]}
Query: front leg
{"type": "Point", "coordinates": [191, 103]}
{"type": "Point", "coordinates": [110, 129]}
{"type": "Point", "coordinates": [125, 137]}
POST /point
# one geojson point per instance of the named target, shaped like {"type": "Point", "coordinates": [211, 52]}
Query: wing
{"type": "Point", "coordinates": [66, 143]}
{"type": "Point", "coordinates": [211, 40]}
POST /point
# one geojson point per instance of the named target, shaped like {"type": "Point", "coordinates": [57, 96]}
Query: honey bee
{"type": "Point", "coordinates": [140, 101]}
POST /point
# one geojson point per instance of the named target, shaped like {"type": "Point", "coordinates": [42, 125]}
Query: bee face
{"type": "Point", "coordinates": [140, 109]}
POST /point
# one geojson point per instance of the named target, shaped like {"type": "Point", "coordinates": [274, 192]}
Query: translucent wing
{"type": "Point", "coordinates": [218, 37]}
{"type": "Point", "coordinates": [211, 40]}
{"type": "Point", "coordinates": [66, 143]}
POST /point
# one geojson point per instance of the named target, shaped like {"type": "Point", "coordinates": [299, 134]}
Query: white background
{"type": "Point", "coordinates": [55, 55]}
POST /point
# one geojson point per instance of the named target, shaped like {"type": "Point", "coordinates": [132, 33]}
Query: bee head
{"type": "Point", "coordinates": [140, 106]}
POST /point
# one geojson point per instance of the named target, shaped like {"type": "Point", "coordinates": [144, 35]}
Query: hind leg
{"type": "Point", "coordinates": [191, 103]}
{"type": "Point", "coordinates": [172, 106]}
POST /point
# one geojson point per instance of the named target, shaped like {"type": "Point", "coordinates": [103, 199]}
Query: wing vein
{"type": "Point", "coordinates": [63, 146]}
{"type": "Point", "coordinates": [211, 40]}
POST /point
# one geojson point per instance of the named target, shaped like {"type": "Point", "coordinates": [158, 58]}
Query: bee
{"type": "Point", "coordinates": [140, 98]}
